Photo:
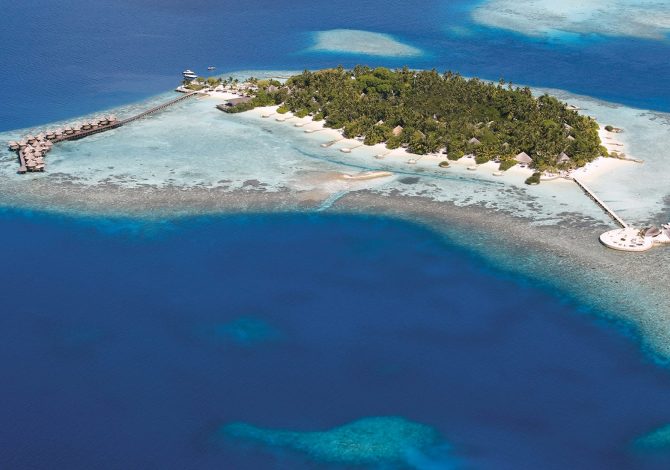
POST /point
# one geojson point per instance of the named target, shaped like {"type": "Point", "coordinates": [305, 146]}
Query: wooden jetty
{"type": "Point", "coordinates": [602, 204]}
{"type": "Point", "coordinates": [32, 150]}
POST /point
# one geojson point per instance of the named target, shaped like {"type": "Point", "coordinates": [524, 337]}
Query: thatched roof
{"type": "Point", "coordinates": [237, 101]}
{"type": "Point", "coordinates": [523, 157]}
{"type": "Point", "coordinates": [474, 141]}
{"type": "Point", "coordinates": [397, 130]}
{"type": "Point", "coordinates": [563, 157]}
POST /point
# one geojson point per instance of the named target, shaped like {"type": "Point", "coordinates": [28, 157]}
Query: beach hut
{"type": "Point", "coordinates": [570, 138]}
{"type": "Point", "coordinates": [567, 127]}
{"type": "Point", "coordinates": [563, 158]}
{"type": "Point", "coordinates": [524, 158]}
{"type": "Point", "coordinates": [474, 141]}
{"type": "Point", "coordinates": [397, 130]}
{"type": "Point", "coordinates": [234, 102]}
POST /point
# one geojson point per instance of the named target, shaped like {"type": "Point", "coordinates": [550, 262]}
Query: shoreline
{"type": "Point", "coordinates": [596, 168]}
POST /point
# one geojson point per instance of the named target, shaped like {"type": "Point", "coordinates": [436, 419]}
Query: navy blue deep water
{"type": "Point", "coordinates": [125, 345]}
{"type": "Point", "coordinates": [63, 59]}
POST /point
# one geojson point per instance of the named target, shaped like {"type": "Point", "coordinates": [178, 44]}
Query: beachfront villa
{"type": "Point", "coordinates": [523, 158]}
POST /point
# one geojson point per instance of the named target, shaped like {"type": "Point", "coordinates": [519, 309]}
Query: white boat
{"type": "Point", "coordinates": [189, 74]}
{"type": "Point", "coordinates": [211, 67]}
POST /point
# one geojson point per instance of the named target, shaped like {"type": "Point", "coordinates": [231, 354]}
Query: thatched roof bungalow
{"type": "Point", "coordinates": [523, 157]}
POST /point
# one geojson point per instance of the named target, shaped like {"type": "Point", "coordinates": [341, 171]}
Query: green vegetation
{"type": "Point", "coordinates": [506, 164]}
{"type": "Point", "coordinates": [445, 111]}
{"type": "Point", "coordinates": [444, 164]}
{"type": "Point", "coordinates": [609, 128]}
{"type": "Point", "coordinates": [195, 87]}
{"type": "Point", "coordinates": [534, 179]}
{"type": "Point", "coordinates": [269, 93]}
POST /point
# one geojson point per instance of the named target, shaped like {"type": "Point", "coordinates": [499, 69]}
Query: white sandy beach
{"type": "Point", "coordinates": [400, 156]}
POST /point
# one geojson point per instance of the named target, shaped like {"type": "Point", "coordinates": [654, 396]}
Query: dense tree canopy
{"type": "Point", "coordinates": [443, 112]}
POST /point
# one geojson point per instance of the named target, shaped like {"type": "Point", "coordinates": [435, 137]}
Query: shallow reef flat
{"type": "Point", "coordinates": [368, 441]}
{"type": "Point", "coordinates": [633, 18]}
{"type": "Point", "coordinates": [352, 41]}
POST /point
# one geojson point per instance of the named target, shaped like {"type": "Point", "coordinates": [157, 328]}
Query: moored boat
{"type": "Point", "coordinates": [189, 74]}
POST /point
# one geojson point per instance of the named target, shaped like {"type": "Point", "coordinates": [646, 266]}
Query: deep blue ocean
{"type": "Point", "coordinates": [126, 344]}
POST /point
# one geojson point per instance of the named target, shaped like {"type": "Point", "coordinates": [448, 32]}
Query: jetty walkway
{"type": "Point", "coordinates": [602, 205]}
{"type": "Point", "coordinates": [32, 150]}
{"type": "Point", "coordinates": [123, 122]}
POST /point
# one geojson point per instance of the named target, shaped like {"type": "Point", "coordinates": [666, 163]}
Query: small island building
{"type": "Point", "coordinates": [397, 130]}
{"type": "Point", "coordinates": [523, 158]}
{"type": "Point", "coordinates": [234, 102]}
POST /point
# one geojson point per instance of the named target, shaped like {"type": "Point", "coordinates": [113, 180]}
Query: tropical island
{"type": "Point", "coordinates": [427, 112]}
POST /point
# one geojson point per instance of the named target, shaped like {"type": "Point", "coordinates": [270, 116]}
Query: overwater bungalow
{"type": "Point", "coordinates": [13, 145]}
